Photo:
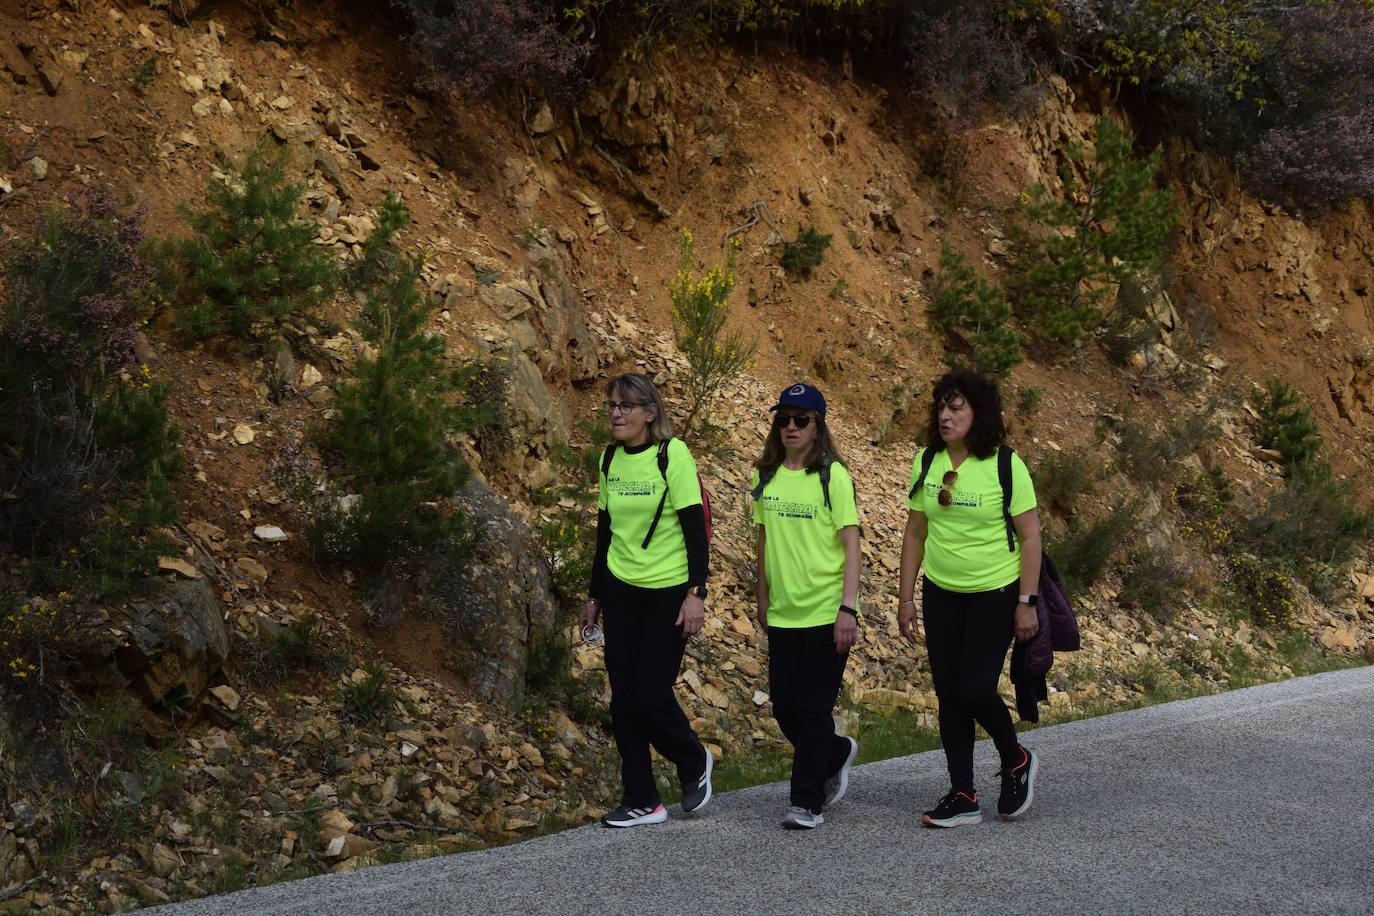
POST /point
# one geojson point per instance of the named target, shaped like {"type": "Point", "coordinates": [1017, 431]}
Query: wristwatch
{"type": "Point", "coordinates": [850, 611]}
{"type": "Point", "coordinates": [699, 591]}
{"type": "Point", "coordinates": [1028, 599]}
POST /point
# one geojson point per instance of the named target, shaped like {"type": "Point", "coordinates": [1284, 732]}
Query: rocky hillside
{"type": "Point", "coordinates": [263, 716]}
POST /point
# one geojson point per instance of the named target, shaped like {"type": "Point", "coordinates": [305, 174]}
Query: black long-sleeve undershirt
{"type": "Point", "coordinates": [693, 522]}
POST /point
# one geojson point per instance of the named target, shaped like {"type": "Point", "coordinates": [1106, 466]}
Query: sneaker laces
{"type": "Point", "coordinates": [1012, 772]}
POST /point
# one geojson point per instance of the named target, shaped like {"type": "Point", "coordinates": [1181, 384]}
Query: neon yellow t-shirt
{"type": "Point", "coordinates": [803, 557]}
{"type": "Point", "coordinates": [966, 543]}
{"type": "Point", "coordinates": [630, 493]}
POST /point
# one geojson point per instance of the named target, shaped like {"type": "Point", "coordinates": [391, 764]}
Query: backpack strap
{"type": "Point", "coordinates": [927, 457]}
{"type": "Point", "coordinates": [663, 501]}
{"type": "Point", "coordinates": [825, 480]}
{"type": "Point", "coordinates": [1004, 454]}
{"type": "Point", "coordinates": [606, 457]}
{"type": "Point", "coordinates": [765, 477]}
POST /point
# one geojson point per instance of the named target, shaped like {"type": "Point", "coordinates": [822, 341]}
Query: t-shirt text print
{"type": "Point", "coordinates": [803, 558]}
{"type": "Point", "coordinates": [629, 492]}
{"type": "Point", "coordinates": [782, 508]}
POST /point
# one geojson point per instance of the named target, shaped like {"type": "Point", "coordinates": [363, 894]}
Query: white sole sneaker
{"type": "Point", "coordinates": [837, 785]}
{"type": "Point", "coordinates": [1030, 788]}
{"type": "Point", "coordinates": [958, 820]}
{"type": "Point", "coordinates": [704, 783]}
{"type": "Point", "coordinates": [634, 817]}
{"type": "Point", "coordinates": [801, 819]}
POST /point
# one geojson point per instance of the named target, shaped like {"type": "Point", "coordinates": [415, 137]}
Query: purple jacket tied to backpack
{"type": "Point", "coordinates": [1058, 628]}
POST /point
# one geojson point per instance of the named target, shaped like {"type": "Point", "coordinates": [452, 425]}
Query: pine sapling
{"type": "Point", "coordinates": [972, 315]}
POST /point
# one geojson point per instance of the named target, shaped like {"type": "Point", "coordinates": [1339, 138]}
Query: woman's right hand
{"type": "Point", "coordinates": [763, 616]}
{"type": "Point", "coordinates": [906, 620]}
{"type": "Point", "coordinates": [590, 612]}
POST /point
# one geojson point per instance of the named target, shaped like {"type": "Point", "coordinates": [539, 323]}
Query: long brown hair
{"type": "Point", "coordinates": [822, 448]}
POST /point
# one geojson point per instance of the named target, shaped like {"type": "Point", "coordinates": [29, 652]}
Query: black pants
{"type": "Point", "coordinates": [967, 637]}
{"type": "Point", "coordinates": [804, 673]}
{"type": "Point", "coordinates": [643, 659]}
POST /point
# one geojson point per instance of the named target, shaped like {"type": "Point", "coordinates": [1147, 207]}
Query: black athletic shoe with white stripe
{"type": "Point", "coordinates": [695, 797]}
{"type": "Point", "coordinates": [625, 816]}
{"type": "Point", "coordinates": [957, 809]}
{"type": "Point", "coordinates": [1018, 786]}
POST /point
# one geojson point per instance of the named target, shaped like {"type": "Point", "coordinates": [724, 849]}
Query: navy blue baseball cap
{"type": "Point", "coordinates": [801, 395]}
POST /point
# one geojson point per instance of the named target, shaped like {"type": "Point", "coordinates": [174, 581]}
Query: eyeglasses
{"type": "Point", "coordinates": [946, 497]}
{"type": "Point", "coordinates": [621, 407]}
{"type": "Point", "coordinates": [802, 420]}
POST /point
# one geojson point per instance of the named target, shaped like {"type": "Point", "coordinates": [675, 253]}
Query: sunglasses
{"type": "Point", "coordinates": [946, 497]}
{"type": "Point", "coordinates": [621, 407]}
{"type": "Point", "coordinates": [802, 420]}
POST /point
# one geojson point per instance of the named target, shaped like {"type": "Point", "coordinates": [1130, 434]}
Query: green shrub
{"type": "Point", "coordinates": [1083, 554]}
{"type": "Point", "coordinates": [714, 358]}
{"type": "Point", "coordinates": [972, 315]}
{"type": "Point", "coordinates": [1286, 424]}
{"type": "Point", "coordinates": [368, 699]}
{"type": "Point", "coordinates": [252, 264]}
{"type": "Point", "coordinates": [1264, 589]}
{"type": "Point", "coordinates": [1314, 519]}
{"type": "Point", "coordinates": [1203, 499]}
{"type": "Point", "coordinates": [1107, 227]}
{"type": "Point", "coordinates": [143, 76]}
{"type": "Point", "coordinates": [397, 415]}
{"type": "Point", "coordinates": [1150, 457]}
{"type": "Point", "coordinates": [1062, 477]}
{"type": "Point", "coordinates": [1154, 582]}
{"type": "Point", "coordinates": [802, 255]}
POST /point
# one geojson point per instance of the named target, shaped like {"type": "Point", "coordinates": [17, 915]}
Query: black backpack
{"type": "Point", "coordinates": [663, 500]}
{"type": "Point", "coordinates": [1063, 624]}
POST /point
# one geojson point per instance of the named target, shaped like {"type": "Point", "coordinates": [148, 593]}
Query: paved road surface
{"type": "Point", "coordinates": [1252, 802]}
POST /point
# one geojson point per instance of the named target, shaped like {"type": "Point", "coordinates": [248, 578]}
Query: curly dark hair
{"type": "Point", "coordinates": [988, 431]}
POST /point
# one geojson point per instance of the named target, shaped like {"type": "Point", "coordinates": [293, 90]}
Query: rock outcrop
{"type": "Point", "coordinates": [495, 606]}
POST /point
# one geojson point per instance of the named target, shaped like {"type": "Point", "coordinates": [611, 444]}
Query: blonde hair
{"type": "Point", "coordinates": [636, 386]}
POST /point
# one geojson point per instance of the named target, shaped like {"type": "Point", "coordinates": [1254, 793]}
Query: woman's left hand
{"type": "Point", "coordinates": [1027, 624]}
{"type": "Point", "coordinates": [846, 631]}
{"type": "Point", "coordinates": [691, 616]}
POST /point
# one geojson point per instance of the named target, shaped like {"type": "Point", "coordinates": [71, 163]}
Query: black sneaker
{"type": "Point", "coordinates": [836, 785]}
{"type": "Point", "coordinates": [957, 809]}
{"type": "Point", "coordinates": [625, 816]}
{"type": "Point", "coordinates": [1018, 786]}
{"type": "Point", "coordinates": [694, 798]}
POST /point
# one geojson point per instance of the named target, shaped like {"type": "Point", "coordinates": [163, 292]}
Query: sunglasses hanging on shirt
{"type": "Point", "coordinates": [946, 497]}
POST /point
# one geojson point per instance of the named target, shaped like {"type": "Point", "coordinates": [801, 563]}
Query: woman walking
{"type": "Point", "coordinates": [808, 590]}
{"type": "Point", "coordinates": [982, 566]}
{"type": "Point", "coordinates": [649, 585]}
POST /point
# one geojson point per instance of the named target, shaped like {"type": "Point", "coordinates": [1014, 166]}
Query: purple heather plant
{"type": "Point", "coordinates": [480, 46]}
{"type": "Point", "coordinates": [74, 292]}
